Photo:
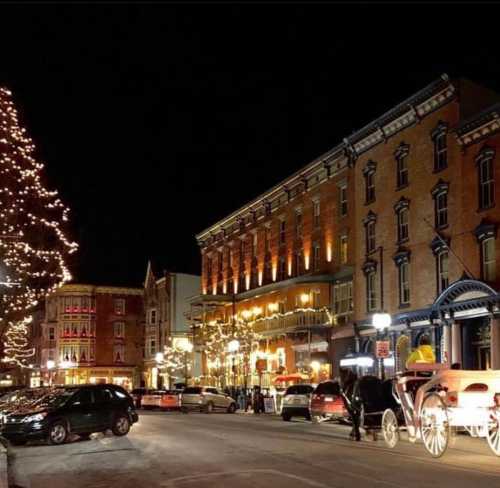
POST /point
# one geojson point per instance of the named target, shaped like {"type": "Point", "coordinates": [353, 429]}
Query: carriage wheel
{"type": "Point", "coordinates": [390, 428]}
{"type": "Point", "coordinates": [434, 425]}
{"type": "Point", "coordinates": [494, 432]}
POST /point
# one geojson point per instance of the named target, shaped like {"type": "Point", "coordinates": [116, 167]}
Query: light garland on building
{"type": "Point", "coordinates": [33, 245]}
{"type": "Point", "coordinates": [174, 360]}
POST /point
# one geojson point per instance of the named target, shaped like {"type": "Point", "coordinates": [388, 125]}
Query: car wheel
{"type": "Point", "coordinates": [286, 417]}
{"type": "Point", "coordinates": [121, 425]}
{"type": "Point", "coordinates": [231, 408]}
{"type": "Point", "coordinates": [58, 433]}
{"type": "Point", "coordinates": [209, 408]}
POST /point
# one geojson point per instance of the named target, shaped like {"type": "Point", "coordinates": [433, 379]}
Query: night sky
{"type": "Point", "coordinates": [155, 121]}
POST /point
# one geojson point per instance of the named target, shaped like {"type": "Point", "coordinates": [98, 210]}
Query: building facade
{"type": "Point", "coordinates": [92, 334]}
{"type": "Point", "coordinates": [400, 217]}
{"type": "Point", "coordinates": [165, 305]}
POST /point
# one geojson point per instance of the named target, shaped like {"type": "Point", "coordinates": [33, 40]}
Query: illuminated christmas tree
{"type": "Point", "coordinates": [175, 361]}
{"type": "Point", "coordinates": [33, 243]}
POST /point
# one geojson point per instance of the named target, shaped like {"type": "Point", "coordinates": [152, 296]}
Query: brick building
{"type": "Point", "coordinates": [92, 334]}
{"type": "Point", "coordinates": [400, 217]}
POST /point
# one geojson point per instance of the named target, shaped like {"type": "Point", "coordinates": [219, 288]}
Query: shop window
{"type": "Point", "coordinates": [486, 178]}
{"type": "Point", "coordinates": [488, 257]}
{"type": "Point", "coordinates": [119, 306]}
{"type": "Point", "coordinates": [442, 271]}
{"type": "Point", "coordinates": [119, 330]}
{"type": "Point", "coordinates": [316, 214]}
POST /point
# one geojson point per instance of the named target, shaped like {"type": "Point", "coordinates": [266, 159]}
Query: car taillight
{"type": "Point", "coordinates": [477, 387]}
{"type": "Point", "coordinates": [317, 397]}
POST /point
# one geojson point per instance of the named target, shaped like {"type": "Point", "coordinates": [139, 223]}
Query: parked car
{"type": "Point", "coordinates": [296, 402]}
{"type": "Point", "coordinates": [162, 399]}
{"type": "Point", "coordinates": [206, 399]}
{"type": "Point", "coordinates": [327, 402]}
{"type": "Point", "coordinates": [138, 394]}
{"type": "Point", "coordinates": [81, 410]}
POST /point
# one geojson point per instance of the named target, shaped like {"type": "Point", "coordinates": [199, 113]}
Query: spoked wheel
{"type": "Point", "coordinates": [494, 432]}
{"type": "Point", "coordinates": [390, 428]}
{"type": "Point", "coordinates": [434, 425]}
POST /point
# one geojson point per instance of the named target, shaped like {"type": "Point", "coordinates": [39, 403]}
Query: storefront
{"type": "Point", "coordinates": [122, 376]}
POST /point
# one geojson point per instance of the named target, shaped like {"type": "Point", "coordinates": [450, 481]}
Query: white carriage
{"type": "Point", "coordinates": [434, 408]}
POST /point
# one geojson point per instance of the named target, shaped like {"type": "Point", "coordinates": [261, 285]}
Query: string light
{"type": "Point", "coordinates": [33, 244]}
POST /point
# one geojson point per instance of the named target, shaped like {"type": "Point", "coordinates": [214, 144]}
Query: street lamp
{"type": "Point", "coordinates": [381, 322]}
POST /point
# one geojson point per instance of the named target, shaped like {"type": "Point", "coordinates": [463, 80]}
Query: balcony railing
{"type": "Point", "coordinates": [299, 318]}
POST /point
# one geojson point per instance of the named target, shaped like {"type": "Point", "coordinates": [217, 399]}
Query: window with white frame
{"type": "Point", "coordinates": [370, 236]}
{"type": "Point", "coordinates": [442, 271]}
{"type": "Point", "coordinates": [403, 224]}
{"type": "Point", "coordinates": [371, 291]}
{"type": "Point", "coordinates": [404, 282]}
{"type": "Point", "coordinates": [488, 257]}
{"type": "Point", "coordinates": [441, 210]}
{"type": "Point", "coordinates": [486, 180]}
{"type": "Point", "coordinates": [439, 137]}
{"type": "Point", "coordinates": [342, 295]}
{"type": "Point", "coordinates": [119, 306]}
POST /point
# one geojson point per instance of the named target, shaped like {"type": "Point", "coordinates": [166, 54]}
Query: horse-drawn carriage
{"type": "Point", "coordinates": [434, 402]}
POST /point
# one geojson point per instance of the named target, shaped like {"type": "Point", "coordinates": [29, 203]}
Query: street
{"type": "Point", "coordinates": [219, 450]}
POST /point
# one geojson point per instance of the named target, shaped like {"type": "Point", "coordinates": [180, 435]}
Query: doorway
{"type": "Point", "coordinates": [476, 339]}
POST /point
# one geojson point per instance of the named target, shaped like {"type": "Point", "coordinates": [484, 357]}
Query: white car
{"type": "Point", "coordinates": [296, 402]}
{"type": "Point", "coordinates": [206, 399]}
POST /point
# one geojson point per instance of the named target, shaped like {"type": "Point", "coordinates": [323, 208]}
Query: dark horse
{"type": "Point", "coordinates": [352, 402]}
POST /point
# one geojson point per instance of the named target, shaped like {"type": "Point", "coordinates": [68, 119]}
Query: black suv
{"type": "Point", "coordinates": [81, 410]}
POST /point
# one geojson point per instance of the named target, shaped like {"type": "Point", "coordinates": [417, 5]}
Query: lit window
{"type": "Point", "coordinates": [119, 306]}
{"type": "Point", "coordinates": [343, 249]}
{"type": "Point", "coordinates": [342, 293]}
{"type": "Point", "coordinates": [119, 353]}
{"type": "Point", "coordinates": [488, 255]}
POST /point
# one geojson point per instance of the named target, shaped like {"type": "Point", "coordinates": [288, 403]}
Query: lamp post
{"type": "Point", "coordinates": [381, 322]}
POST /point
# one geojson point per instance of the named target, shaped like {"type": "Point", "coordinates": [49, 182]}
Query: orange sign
{"type": "Point", "coordinates": [382, 349]}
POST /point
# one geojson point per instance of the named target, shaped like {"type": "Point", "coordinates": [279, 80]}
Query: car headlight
{"type": "Point", "coordinates": [35, 418]}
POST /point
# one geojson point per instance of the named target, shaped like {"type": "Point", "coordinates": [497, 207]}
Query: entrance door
{"type": "Point", "coordinates": [476, 339]}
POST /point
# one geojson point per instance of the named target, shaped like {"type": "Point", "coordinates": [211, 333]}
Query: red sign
{"type": "Point", "coordinates": [382, 349]}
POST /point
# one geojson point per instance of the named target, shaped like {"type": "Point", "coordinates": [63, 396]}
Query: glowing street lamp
{"type": "Point", "coordinates": [233, 345]}
{"type": "Point", "coordinates": [159, 357]}
{"type": "Point", "coordinates": [381, 321]}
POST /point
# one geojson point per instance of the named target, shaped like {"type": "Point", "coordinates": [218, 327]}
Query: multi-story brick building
{"type": "Point", "coordinates": [92, 334]}
{"type": "Point", "coordinates": [165, 305]}
{"type": "Point", "coordinates": [400, 217]}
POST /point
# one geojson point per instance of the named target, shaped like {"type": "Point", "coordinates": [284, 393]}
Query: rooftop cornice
{"type": "Point", "coordinates": [85, 288]}
{"type": "Point", "coordinates": [403, 115]}
{"type": "Point", "coordinates": [480, 126]}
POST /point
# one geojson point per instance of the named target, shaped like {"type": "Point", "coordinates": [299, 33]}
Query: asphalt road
{"type": "Point", "coordinates": [223, 450]}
